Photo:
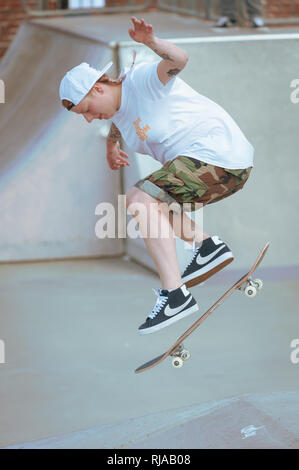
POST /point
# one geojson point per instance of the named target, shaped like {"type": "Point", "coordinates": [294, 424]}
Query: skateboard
{"type": "Point", "coordinates": [177, 351]}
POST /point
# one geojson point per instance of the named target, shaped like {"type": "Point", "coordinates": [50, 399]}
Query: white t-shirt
{"type": "Point", "coordinates": [165, 121]}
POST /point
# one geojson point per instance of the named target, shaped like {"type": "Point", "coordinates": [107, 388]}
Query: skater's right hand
{"type": "Point", "coordinates": [115, 157]}
{"type": "Point", "coordinates": [141, 31]}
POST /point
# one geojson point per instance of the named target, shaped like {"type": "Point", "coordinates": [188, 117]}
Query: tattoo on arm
{"type": "Point", "coordinates": [163, 55]}
{"type": "Point", "coordinates": [168, 52]}
{"type": "Point", "coordinates": [172, 72]}
{"type": "Point", "coordinates": [114, 134]}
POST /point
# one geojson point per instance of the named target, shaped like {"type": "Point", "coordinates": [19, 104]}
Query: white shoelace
{"type": "Point", "coordinates": [194, 249]}
{"type": "Point", "coordinates": [161, 300]}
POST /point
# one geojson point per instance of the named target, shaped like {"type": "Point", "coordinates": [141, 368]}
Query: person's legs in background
{"type": "Point", "coordinates": [255, 13]}
{"type": "Point", "coordinates": [228, 13]}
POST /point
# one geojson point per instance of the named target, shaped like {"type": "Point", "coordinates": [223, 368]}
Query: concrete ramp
{"type": "Point", "coordinates": [53, 169]}
{"type": "Point", "coordinates": [248, 422]}
{"type": "Point", "coordinates": [256, 421]}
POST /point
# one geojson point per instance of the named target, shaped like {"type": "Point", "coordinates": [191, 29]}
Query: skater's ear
{"type": "Point", "coordinates": [67, 104]}
{"type": "Point", "coordinates": [98, 88]}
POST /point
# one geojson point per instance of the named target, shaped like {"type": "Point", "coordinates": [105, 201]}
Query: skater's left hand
{"type": "Point", "coordinates": [116, 157]}
{"type": "Point", "coordinates": [142, 32]}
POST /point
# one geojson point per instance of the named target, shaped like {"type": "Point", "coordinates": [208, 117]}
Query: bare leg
{"type": "Point", "coordinates": [186, 229]}
{"type": "Point", "coordinates": [162, 249]}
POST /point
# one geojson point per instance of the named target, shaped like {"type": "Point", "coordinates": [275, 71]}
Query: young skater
{"type": "Point", "coordinates": [205, 157]}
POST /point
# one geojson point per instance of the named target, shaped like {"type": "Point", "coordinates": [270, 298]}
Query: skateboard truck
{"type": "Point", "coordinates": [180, 354]}
{"type": "Point", "coordinates": [251, 286]}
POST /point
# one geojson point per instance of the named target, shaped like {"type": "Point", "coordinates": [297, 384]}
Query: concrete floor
{"type": "Point", "coordinates": [71, 347]}
{"type": "Point", "coordinates": [69, 328]}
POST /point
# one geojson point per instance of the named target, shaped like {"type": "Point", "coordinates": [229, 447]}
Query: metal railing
{"type": "Point", "coordinates": [79, 7]}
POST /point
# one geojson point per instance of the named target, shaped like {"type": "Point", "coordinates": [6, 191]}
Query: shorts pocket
{"type": "Point", "coordinates": [241, 174]}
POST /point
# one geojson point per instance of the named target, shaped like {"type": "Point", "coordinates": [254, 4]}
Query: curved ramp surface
{"type": "Point", "coordinates": [255, 421]}
{"type": "Point", "coordinates": [53, 169]}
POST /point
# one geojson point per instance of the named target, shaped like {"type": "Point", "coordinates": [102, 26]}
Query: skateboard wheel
{"type": "Point", "coordinates": [177, 362]}
{"type": "Point", "coordinates": [258, 283]}
{"type": "Point", "coordinates": [250, 291]}
{"type": "Point", "coordinates": [185, 354]}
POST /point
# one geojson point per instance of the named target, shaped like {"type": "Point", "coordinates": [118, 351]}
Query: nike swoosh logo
{"type": "Point", "coordinates": [205, 259]}
{"type": "Point", "coordinates": [169, 312]}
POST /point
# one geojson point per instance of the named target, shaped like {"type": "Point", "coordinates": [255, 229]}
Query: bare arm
{"type": "Point", "coordinates": [174, 58]}
{"type": "Point", "coordinates": [116, 157]}
{"type": "Point", "coordinates": [114, 136]}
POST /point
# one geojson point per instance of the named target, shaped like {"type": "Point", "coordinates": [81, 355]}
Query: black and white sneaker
{"type": "Point", "coordinates": [225, 21]}
{"type": "Point", "coordinates": [170, 307]}
{"type": "Point", "coordinates": [257, 22]}
{"type": "Point", "coordinates": [209, 258]}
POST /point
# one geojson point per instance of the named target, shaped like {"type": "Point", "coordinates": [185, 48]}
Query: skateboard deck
{"type": "Point", "coordinates": [177, 351]}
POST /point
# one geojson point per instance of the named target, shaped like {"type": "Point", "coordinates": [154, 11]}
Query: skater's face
{"type": "Point", "coordinates": [101, 102]}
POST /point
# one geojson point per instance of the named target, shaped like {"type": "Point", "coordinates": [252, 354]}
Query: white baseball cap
{"type": "Point", "coordinates": [78, 81]}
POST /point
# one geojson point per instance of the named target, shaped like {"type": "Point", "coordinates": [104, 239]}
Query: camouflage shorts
{"type": "Point", "coordinates": [188, 180]}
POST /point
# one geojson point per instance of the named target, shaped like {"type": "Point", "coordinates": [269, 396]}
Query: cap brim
{"type": "Point", "coordinates": [102, 72]}
{"type": "Point", "coordinates": [107, 67]}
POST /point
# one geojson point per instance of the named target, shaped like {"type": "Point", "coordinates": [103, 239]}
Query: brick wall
{"type": "Point", "coordinates": [12, 15]}
{"type": "Point", "coordinates": [281, 8]}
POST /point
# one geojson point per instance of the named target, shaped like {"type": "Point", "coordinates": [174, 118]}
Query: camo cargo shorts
{"type": "Point", "coordinates": [188, 180]}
